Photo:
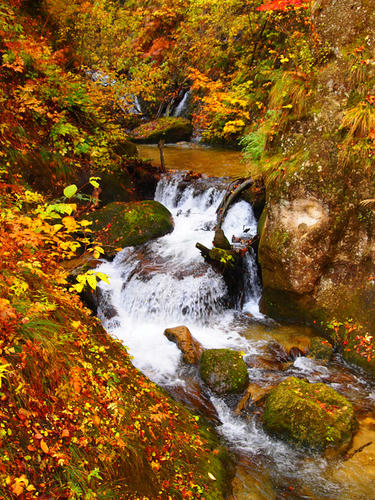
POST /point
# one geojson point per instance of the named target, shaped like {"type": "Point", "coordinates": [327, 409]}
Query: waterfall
{"type": "Point", "coordinates": [182, 106]}
{"type": "Point", "coordinates": [166, 282]}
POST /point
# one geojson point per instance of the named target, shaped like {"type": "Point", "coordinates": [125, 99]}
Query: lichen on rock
{"type": "Point", "coordinates": [169, 128]}
{"type": "Point", "coordinates": [121, 224]}
{"type": "Point", "coordinates": [320, 349]}
{"type": "Point", "coordinates": [224, 371]}
{"type": "Point", "coordinates": [310, 415]}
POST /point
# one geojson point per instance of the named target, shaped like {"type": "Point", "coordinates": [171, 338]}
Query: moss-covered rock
{"type": "Point", "coordinates": [169, 128]}
{"type": "Point", "coordinates": [224, 371]}
{"type": "Point", "coordinates": [311, 415]}
{"type": "Point", "coordinates": [320, 349]}
{"type": "Point", "coordinates": [125, 148]}
{"type": "Point", "coordinates": [120, 224]}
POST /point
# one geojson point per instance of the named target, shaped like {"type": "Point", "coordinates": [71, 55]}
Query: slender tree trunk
{"type": "Point", "coordinates": [162, 163]}
{"type": "Point", "coordinates": [228, 200]}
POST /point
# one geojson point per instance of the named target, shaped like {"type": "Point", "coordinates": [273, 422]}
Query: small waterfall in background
{"type": "Point", "coordinates": [182, 106]}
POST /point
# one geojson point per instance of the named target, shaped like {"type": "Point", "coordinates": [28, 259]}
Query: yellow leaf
{"type": "Point", "coordinates": [211, 476]}
{"type": "Point", "coordinates": [91, 280]}
{"type": "Point", "coordinates": [85, 223]}
{"type": "Point", "coordinates": [70, 223]}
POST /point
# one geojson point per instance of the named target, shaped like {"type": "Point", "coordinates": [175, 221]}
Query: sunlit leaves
{"type": "Point", "coordinates": [70, 191]}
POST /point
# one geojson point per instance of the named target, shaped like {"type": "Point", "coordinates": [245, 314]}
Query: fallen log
{"type": "Point", "coordinates": [228, 200]}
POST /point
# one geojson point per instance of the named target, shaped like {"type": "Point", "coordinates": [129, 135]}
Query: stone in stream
{"type": "Point", "coordinates": [121, 224]}
{"type": "Point", "coordinates": [224, 371]}
{"type": "Point", "coordinates": [254, 395]}
{"type": "Point", "coordinates": [310, 415]}
{"type": "Point", "coordinates": [295, 352]}
{"type": "Point", "coordinates": [320, 349]}
{"type": "Point", "coordinates": [191, 348]}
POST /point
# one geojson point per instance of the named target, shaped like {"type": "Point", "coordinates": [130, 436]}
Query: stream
{"type": "Point", "coordinates": [166, 283]}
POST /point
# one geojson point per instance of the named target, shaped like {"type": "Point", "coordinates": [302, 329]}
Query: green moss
{"type": "Point", "coordinates": [224, 371]}
{"type": "Point", "coordinates": [311, 415]}
{"type": "Point", "coordinates": [128, 224]}
{"type": "Point", "coordinates": [321, 349]}
{"type": "Point", "coordinates": [226, 257]}
{"type": "Point", "coordinates": [168, 128]}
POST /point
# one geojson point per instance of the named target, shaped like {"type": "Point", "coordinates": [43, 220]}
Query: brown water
{"type": "Point", "coordinates": [189, 156]}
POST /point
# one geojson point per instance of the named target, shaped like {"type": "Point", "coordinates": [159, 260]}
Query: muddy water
{"type": "Point", "coordinates": [166, 282]}
{"type": "Point", "coordinates": [189, 156]}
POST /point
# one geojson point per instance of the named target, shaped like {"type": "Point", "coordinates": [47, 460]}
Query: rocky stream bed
{"type": "Point", "coordinates": [166, 283]}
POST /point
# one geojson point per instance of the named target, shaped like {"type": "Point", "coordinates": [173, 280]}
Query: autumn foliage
{"type": "Point", "coordinates": [77, 420]}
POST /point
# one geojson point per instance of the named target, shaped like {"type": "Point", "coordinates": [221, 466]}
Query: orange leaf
{"type": "Point", "coordinates": [44, 446]}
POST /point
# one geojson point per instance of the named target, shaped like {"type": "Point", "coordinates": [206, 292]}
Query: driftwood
{"type": "Point", "coordinates": [203, 250]}
{"type": "Point", "coordinates": [229, 198]}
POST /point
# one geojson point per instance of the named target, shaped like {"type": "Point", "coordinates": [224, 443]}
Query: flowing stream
{"type": "Point", "coordinates": [166, 283]}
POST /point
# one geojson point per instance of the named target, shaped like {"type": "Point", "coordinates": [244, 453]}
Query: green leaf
{"type": "Point", "coordinates": [70, 191]}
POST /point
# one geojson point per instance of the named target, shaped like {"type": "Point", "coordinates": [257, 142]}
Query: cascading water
{"type": "Point", "coordinates": [182, 106]}
{"type": "Point", "coordinates": [166, 283]}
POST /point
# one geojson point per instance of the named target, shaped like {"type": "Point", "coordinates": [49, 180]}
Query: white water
{"type": "Point", "coordinates": [166, 283]}
{"type": "Point", "coordinates": [170, 284]}
{"type": "Point", "coordinates": [181, 108]}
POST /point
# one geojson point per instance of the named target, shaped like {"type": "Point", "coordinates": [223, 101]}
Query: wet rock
{"type": "Point", "coordinates": [320, 349]}
{"type": "Point", "coordinates": [191, 348]}
{"type": "Point", "coordinates": [195, 398]}
{"type": "Point", "coordinates": [120, 224]}
{"type": "Point", "coordinates": [295, 352]}
{"type": "Point", "coordinates": [224, 371]}
{"type": "Point", "coordinates": [254, 395]}
{"type": "Point", "coordinates": [277, 352]}
{"type": "Point", "coordinates": [311, 415]}
{"type": "Point", "coordinates": [169, 128]}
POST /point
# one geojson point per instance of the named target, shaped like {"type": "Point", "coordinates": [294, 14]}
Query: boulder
{"type": "Point", "coordinates": [191, 348]}
{"type": "Point", "coordinates": [310, 415]}
{"type": "Point", "coordinates": [121, 224]}
{"type": "Point", "coordinates": [170, 129]}
{"type": "Point", "coordinates": [320, 349]}
{"type": "Point", "coordinates": [224, 371]}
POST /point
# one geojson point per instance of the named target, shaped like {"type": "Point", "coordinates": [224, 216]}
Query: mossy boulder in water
{"type": "Point", "coordinates": [311, 415]}
{"type": "Point", "coordinates": [169, 128]}
{"type": "Point", "coordinates": [224, 371]}
{"type": "Point", "coordinates": [120, 224]}
{"type": "Point", "coordinates": [320, 349]}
